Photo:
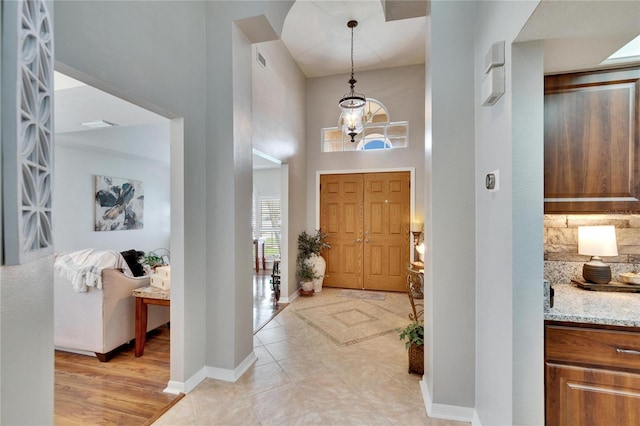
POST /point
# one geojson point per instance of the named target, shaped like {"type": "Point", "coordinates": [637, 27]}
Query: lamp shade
{"type": "Point", "coordinates": [416, 226]}
{"type": "Point", "coordinates": [597, 240]}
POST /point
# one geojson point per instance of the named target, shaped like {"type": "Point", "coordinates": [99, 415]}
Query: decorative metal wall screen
{"type": "Point", "coordinates": [27, 130]}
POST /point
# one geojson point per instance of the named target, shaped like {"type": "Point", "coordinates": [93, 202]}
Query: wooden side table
{"type": "Point", "coordinates": [147, 296]}
{"type": "Point", "coordinates": [256, 244]}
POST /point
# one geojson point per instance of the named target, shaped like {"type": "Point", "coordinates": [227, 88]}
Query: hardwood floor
{"type": "Point", "coordinates": [264, 306]}
{"type": "Point", "coordinates": [124, 391]}
{"type": "Point", "coordinates": [129, 390]}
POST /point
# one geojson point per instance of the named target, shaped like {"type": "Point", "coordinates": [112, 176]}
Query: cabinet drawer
{"type": "Point", "coordinates": [590, 346]}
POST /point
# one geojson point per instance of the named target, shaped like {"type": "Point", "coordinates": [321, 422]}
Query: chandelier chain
{"type": "Point", "coordinates": [352, 84]}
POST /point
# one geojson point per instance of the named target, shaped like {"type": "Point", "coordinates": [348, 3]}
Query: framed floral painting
{"type": "Point", "coordinates": [119, 204]}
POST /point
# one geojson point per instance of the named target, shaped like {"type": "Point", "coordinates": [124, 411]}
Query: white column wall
{"type": "Point", "coordinates": [450, 220]}
{"type": "Point", "coordinates": [506, 231]}
{"type": "Point", "coordinates": [528, 219]}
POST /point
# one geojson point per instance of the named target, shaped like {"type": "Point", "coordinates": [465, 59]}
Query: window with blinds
{"type": "Point", "coordinates": [268, 225]}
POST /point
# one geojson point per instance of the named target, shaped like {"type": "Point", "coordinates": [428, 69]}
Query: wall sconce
{"type": "Point", "coordinates": [596, 241]}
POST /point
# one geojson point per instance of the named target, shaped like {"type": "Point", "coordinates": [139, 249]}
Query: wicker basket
{"type": "Point", "coordinates": [416, 359]}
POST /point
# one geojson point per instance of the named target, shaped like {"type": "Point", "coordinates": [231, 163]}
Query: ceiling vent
{"type": "Point", "coordinates": [261, 60]}
{"type": "Point", "coordinates": [98, 124]}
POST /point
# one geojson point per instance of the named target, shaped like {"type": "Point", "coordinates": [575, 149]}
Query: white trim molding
{"type": "Point", "coordinates": [232, 375]}
{"type": "Point", "coordinates": [176, 387]}
{"type": "Point", "coordinates": [216, 373]}
{"type": "Point", "coordinates": [476, 419]}
{"type": "Point", "coordinates": [444, 411]}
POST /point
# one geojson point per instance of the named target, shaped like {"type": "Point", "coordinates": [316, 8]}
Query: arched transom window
{"type": "Point", "coordinates": [379, 132]}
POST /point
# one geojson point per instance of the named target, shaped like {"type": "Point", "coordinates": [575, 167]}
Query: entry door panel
{"type": "Point", "coordinates": [386, 230]}
{"type": "Point", "coordinates": [341, 219]}
{"type": "Point", "coordinates": [367, 219]}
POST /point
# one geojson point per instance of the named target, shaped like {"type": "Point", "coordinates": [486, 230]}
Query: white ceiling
{"type": "Point", "coordinates": [577, 35]}
{"type": "Point", "coordinates": [317, 36]}
{"type": "Point", "coordinates": [77, 103]}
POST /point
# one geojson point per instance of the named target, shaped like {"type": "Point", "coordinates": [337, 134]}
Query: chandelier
{"type": "Point", "coordinates": [352, 103]}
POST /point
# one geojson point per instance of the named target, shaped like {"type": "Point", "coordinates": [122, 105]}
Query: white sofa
{"type": "Point", "coordinates": [100, 321]}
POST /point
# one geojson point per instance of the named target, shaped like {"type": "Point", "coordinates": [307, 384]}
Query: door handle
{"type": "Point", "coordinates": [366, 241]}
{"type": "Point", "coordinates": [359, 240]}
{"type": "Point", "coordinates": [628, 351]}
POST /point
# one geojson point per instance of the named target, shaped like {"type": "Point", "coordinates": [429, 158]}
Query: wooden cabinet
{"type": "Point", "coordinates": [592, 375]}
{"type": "Point", "coordinates": [592, 142]}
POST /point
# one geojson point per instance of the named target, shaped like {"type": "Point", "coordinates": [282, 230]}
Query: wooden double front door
{"type": "Point", "coordinates": [366, 216]}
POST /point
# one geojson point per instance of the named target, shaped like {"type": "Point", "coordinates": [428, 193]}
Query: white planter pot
{"type": "Point", "coordinates": [319, 266]}
{"type": "Point", "coordinates": [306, 285]}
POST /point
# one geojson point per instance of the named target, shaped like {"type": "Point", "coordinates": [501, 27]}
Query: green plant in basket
{"type": "Point", "coordinates": [413, 333]}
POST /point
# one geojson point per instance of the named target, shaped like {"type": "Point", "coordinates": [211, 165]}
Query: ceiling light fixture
{"type": "Point", "coordinates": [352, 103]}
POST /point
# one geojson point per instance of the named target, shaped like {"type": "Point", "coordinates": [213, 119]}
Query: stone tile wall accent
{"type": "Point", "coordinates": [562, 261]}
{"type": "Point", "coordinates": [561, 236]}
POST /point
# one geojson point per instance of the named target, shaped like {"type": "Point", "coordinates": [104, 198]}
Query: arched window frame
{"type": "Point", "coordinates": [377, 127]}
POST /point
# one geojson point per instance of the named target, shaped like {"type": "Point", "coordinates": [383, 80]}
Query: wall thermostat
{"type": "Point", "coordinates": [491, 181]}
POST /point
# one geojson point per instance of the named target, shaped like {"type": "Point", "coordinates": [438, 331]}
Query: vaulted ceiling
{"type": "Point", "coordinates": [577, 35]}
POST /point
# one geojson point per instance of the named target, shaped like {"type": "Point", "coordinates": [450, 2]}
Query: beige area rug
{"type": "Point", "coordinates": [362, 294]}
{"type": "Point", "coordinates": [352, 321]}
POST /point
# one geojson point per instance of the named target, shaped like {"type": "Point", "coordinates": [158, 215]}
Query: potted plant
{"type": "Point", "coordinates": [152, 259]}
{"type": "Point", "coordinates": [309, 248]}
{"type": "Point", "coordinates": [307, 275]}
{"type": "Point", "coordinates": [414, 336]}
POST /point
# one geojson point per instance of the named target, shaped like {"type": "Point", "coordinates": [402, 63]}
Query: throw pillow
{"type": "Point", "coordinates": [132, 257]}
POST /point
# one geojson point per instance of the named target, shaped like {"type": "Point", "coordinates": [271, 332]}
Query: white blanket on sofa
{"type": "Point", "coordinates": [83, 268]}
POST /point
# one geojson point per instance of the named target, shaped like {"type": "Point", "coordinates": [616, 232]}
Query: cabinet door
{"type": "Point", "coordinates": [592, 142]}
{"type": "Point", "coordinates": [577, 396]}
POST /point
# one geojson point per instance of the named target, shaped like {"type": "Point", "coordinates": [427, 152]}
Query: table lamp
{"type": "Point", "coordinates": [596, 241]}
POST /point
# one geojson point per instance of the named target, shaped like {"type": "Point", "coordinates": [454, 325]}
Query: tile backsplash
{"type": "Point", "coordinates": [562, 261]}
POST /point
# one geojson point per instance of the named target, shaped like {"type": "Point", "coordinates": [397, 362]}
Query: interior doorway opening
{"type": "Point", "coordinates": [269, 227]}
{"type": "Point", "coordinates": [161, 154]}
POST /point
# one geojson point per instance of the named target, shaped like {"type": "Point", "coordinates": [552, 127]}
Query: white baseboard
{"type": "Point", "coordinates": [476, 419]}
{"type": "Point", "coordinates": [290, 298]}
{"type": "Point", "coordinates": [174, 387]}
{"type": "Point", "coordinates": [444, 411]}
{"type": "Point", "coordinates": [206, 372]}
{"type": "Point", "coordinates": [232, 375]}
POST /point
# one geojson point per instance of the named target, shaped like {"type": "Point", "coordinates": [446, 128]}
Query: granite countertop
{"type": "Point", "coordinates": [574, 304]}
{"type": "Point", "coordinates": [152, 293]}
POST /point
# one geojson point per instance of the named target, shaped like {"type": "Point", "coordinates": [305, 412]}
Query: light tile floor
{"type": "Point", "coordinates": [303, 378]}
